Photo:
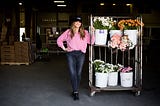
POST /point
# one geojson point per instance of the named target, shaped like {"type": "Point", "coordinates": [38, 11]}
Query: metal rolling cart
{"type": "Point", "coordinates": [131, 57]}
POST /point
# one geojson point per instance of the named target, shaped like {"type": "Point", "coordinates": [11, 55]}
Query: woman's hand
{"type": "Point", "coordinates": [92, 29]}
{"type": "Point", "coordinates": [65, 49]}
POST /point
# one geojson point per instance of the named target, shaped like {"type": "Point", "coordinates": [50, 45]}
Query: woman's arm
{"type": "Point", "coordinates": [61, 39]}
{"type": "Point", "coordinates": [90, 38]}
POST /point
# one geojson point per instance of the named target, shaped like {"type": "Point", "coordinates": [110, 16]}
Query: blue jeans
{"type": "Point", "coordinates": [75, 63]}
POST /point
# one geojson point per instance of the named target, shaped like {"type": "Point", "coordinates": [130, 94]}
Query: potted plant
{"type": "Point", "coordinates": [106, 73]}
{"type": "Point", "coordinates": [101, 25]}
{"type": "Point", "coordinates": [130, 27]}
{"type": "Point", "coordinates": [101, 73]}
{"type": "Point", "coordinates": [114, 29]}
{"type": "Point", "coordinates": [113, 74]}
{"type": "Point", "coordinates": [126, 77]}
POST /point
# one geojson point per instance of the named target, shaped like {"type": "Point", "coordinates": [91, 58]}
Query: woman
{"type": "Point", "coordinates": [77, 39]}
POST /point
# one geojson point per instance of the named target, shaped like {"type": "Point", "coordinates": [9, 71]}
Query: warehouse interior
{"type": "Point", "coordinates": [30, 76]}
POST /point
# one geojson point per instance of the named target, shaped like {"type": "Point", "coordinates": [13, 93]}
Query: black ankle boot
{"type": "Point", "coordinates": [75, 95]}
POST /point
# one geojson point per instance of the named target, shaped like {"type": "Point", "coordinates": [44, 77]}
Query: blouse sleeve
{"type": "Point", "coordinates": [62, 38]}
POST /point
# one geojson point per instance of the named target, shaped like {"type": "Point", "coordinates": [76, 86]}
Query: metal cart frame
{"type": "Point", "coordinates": [136, 61]}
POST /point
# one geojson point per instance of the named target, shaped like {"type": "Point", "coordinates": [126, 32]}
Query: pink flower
{"type": "Point", "coordinates": [120, 42]}
{"type": "Point", "coordinates": [115, 40]}
{"type": "Point", "coordinates": [123, 45]}
{"type": "Point", "coordinates": [126, 69]}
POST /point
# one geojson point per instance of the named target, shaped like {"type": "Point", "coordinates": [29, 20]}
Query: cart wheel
{"type": "Point", "coordinates": [137, 93]}
{"type": "Point", "coordinates": [92, 93]}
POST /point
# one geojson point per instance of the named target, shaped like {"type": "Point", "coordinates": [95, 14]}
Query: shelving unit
{"type": "Point", "coordinates": [132, 57]}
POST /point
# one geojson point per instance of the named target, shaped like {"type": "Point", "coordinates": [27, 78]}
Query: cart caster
{"type": "Point", "coordinates": [92, 93]}
{"type": "Point", "coordinates": [137, 93]}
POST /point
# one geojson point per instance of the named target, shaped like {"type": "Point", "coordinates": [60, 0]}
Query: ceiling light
{"type": "Point", "coordinates": [128, 4]}
{"type": "Point", "coordinates": [59, 1]}
{"type": "Point", "coordinates": [102, 4]}
{"type": "Point", "coordinates": [61, 5]}
{"type": "Point", "coordinates": [20, 3]}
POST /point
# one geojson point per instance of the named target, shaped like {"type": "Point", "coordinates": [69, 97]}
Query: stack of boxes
{"type": "Point", "coordinates": [19, 53]}
{"type": "Point", "coordinates": [22, 52]}
{"type": "Point", "coordinates": [7, 53]}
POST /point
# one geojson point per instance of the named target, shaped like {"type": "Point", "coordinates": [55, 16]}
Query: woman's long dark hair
{"type": "Point", "coordinates": [81, 30]}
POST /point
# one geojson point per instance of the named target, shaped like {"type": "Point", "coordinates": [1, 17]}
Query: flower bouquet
{"type": "Point", "coordinates": [120, 42]}
{"type": "Point", "coordinates": [126, 69]}
{"type": "Point", "coordinates": [102, 22]}
{"type": "Point", "coordinates": [113, 74]}
{"type": "Point", "coordinates": [129, 24]}
{"type": "Point", "coordinates": [99, 66]}
{"type": "Point", "coordinates": [126, 76]}
{"type": "Point", "coordinates": [101, 25]}
{"type": "Point", "coordinates": [101, 75]}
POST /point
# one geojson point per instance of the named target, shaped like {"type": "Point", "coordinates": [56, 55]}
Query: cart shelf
{"type": "Point", "coordinates": [132, 57]}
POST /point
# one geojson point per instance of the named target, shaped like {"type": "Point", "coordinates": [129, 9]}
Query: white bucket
{"type": "Point", "coordinates": [126, 79]}
{"type": "Point", "coordinates": [101, 37]}
{"type": "Point", "coordinates": [101, 79]}
{"type": "Point", "coordinates": [132, 35]}
{"type": "Point", "coordinates": [113, 79]}
{"type": "Point", "coordinates": [112, 32]}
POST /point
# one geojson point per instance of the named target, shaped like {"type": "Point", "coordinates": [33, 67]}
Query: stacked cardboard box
{"type": "Point", "coordinates": [17, 54]}
{"type": "Point", "coordinates": [7, 53]}
{"type": "Point", "coordinates": [22, 52]}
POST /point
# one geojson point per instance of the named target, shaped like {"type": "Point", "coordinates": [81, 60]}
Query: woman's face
{"type": "Point", "coordinates": [77, 24]}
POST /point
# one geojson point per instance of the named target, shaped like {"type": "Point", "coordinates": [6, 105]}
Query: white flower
{"type": "Point", "coordinates": [102, 22]}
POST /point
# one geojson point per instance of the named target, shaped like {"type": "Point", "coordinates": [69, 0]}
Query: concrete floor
{"type": "Point", "coordinates": [46, 83]}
